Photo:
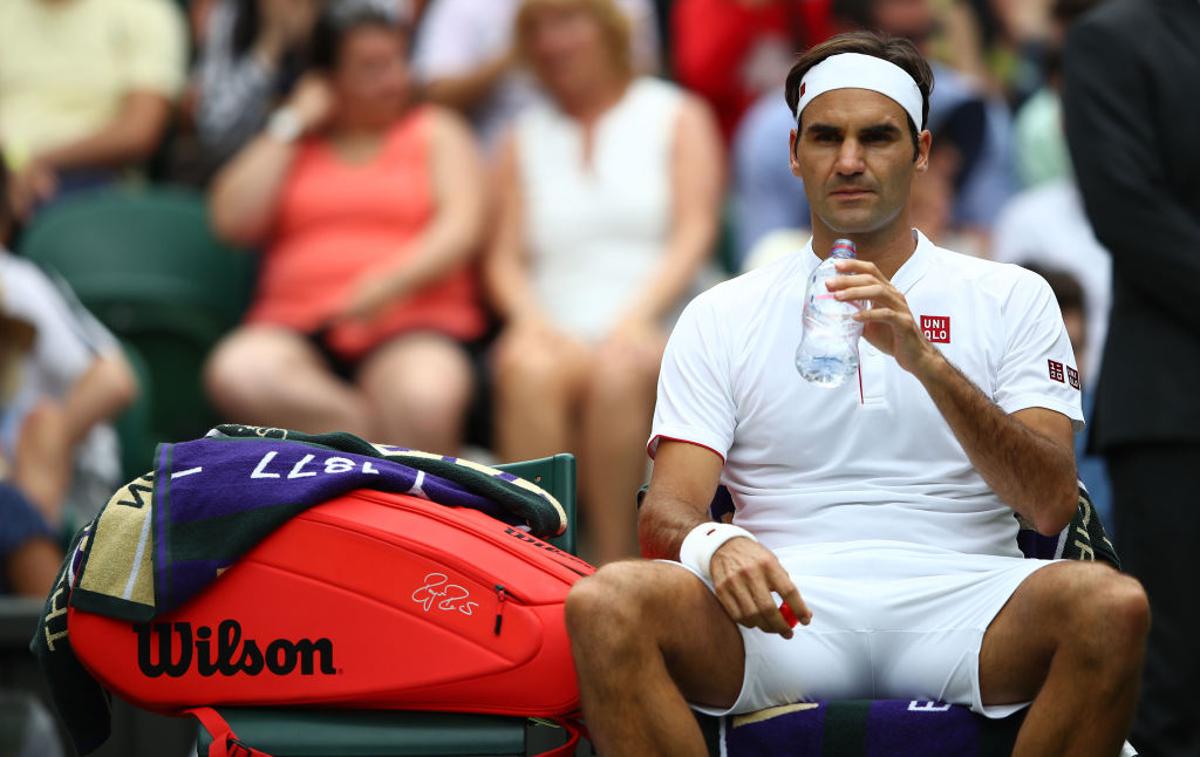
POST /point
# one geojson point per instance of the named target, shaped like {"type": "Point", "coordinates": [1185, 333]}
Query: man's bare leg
{"type": "Point", "coordinates": [647, 638]}
{"type": "Point", "coordinates": [1071, 638]}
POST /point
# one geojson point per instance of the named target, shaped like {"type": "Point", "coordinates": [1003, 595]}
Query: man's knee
{"type": "Point", "coordinates": [622, 603]}
{"type": "Point", "coordinates": [1125, 608]}
{"type": "Point", "coordinates": [604, 599]}
{"type": "Point", "coordinates": [1110, 614]}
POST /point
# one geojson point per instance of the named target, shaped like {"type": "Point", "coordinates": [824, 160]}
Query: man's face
{"type": "Point", "coordinates": [855, 156]}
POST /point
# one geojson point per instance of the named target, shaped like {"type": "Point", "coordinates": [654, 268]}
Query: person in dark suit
{"type": "Point", "coordinates": [1132, 113]}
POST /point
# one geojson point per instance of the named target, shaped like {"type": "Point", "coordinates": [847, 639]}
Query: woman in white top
{"type": "Point", "coordinates": [609, 197]}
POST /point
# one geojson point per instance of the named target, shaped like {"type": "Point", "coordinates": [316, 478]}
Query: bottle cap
{"type": "Point", "coordinates": [844, 248]}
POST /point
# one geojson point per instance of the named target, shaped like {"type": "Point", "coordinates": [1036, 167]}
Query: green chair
{"type": "Point", "coordinates": [133, 426]}
{"type": "Point", "coordinates": [297, 732]}
{"type": "Point", "coordinates": [147, 265]}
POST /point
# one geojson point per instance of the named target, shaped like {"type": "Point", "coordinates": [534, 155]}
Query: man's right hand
{"type": "Point", "coordinates": [744, 573]}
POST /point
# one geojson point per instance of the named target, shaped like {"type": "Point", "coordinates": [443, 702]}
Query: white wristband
{"type": "Point", "coordinates": [705, 539]}
{"type": "Point", "coordinates": [285, 125]}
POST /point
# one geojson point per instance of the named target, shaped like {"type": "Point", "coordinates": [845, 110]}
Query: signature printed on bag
{"type": "Point", "coordinates": [438, 593]}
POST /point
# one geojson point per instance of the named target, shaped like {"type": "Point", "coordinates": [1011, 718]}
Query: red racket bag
{"type": "Point", "coordinates": [369, 601]}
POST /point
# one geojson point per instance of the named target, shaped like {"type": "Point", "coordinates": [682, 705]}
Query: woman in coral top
{"type": "Point", "coordinates": [369, 209]}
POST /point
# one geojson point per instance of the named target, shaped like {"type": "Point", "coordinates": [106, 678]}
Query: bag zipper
{"type": "Point", "coordinates": [504, 544]}
{"type": "Point", "coordinates": [500, 593]}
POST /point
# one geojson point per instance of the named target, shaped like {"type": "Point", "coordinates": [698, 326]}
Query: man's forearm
{"type": "Point", "coordinates": [663, 522]}
{"type": "Point", "coordinates": [1031, 473]}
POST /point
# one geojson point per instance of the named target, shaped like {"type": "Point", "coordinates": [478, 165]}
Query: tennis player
{"type": "Point", "coordinates": [880, 513]}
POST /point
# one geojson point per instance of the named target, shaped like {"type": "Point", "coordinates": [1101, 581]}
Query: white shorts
{"type": "Point", "coordinates": [890, 621]}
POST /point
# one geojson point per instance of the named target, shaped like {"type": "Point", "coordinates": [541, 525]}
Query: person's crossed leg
{"type": "Point", "coordinates": [650, 637]}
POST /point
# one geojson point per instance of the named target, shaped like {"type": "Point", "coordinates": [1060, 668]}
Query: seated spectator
{"type": "Point", "coordinates": [463, 56]}
{"type": "Point", "coordinates": [62, 378]}
{"type": "Point", "coordinates": [609, 200]}
{"type": "Point", "coordinates": [1040, 145]}
{"type": "Point", "coordinates": [731, 52]}
{"type": "Point", "coordinates": [369, 210]}
{"type": "Point", "coordinates": [86, 89]}
{"type": "Point", "coordinates": [253, 54]}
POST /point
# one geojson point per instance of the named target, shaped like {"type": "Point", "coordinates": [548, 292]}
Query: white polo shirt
{"type": "Point", "coordinates": [872, 459]}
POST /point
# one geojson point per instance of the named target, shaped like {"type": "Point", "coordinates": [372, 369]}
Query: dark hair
{"type": "Point", "coordinates": [1067, 289]}
{"type": "Point", "coordinates": [896, 50]}
{"type": "Point", "coordinates": [339, 18]}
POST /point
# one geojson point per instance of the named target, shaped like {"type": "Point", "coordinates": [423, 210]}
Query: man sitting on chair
{"type": "Point", "coordinates": [881, 512]}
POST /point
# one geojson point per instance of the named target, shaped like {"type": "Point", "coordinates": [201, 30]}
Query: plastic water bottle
{"type": "Point", "coordinates": [828, 351]}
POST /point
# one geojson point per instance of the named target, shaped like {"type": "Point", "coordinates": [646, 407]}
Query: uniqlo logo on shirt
{"type": "Point", "coordinates": [936, 328]}
{"type": "Point", "coordinates": [1056, 371]}
{"type": "Point", "coordinates": [1072, 377]}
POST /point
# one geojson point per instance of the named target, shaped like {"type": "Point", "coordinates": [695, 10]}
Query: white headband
{"type": "Point", "coordinates": [858, 71]}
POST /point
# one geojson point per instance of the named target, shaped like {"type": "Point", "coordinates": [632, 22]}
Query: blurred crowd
{"type": "Point", "coordinates": [471, 209]}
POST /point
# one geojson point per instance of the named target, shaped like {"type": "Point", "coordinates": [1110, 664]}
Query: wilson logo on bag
{"type": "Point", "coordinates": [226, 654]}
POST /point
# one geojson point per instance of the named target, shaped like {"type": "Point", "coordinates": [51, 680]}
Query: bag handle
{"type": "Point", "coordinates": [575, 730]}
{"type": "Point", "coordinates": [225, 742]}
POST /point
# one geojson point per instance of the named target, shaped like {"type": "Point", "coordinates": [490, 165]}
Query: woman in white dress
{"type": "Point", "coordinates": [609, 198]}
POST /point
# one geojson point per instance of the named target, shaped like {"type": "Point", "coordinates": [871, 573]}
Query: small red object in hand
{"type": "Point", "coordinates": [788, 615]}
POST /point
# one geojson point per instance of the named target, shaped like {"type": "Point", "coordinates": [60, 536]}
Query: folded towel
{"type": "Point", "coordinates": [1084, 537]}
{"type": "Point", "coordinates": [866, 728]}
{"type": "Point", "coordinates": [871, 728]}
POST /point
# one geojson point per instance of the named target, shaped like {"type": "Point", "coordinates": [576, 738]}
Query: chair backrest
{"type": "Point", "coordinates": [144, 260]}
{"type": "Point", "coordinates": [555, 474]}
{"type": "Point", "coordinates": [134, 425]}
{"type": "Point", "coordinates": [147, 265]}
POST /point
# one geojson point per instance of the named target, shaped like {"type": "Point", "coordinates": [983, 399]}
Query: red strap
{"type": "Point", "coordinates": [575, 729]}
{"type": "Point", "coordinates": [224, 741]}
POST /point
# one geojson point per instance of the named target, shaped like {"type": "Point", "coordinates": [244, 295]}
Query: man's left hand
{"type": "Point", "coordinates": [888, 324]}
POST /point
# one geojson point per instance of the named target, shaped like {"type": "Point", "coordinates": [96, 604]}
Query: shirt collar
{"type": "Point", "coordinates": [910, 272]}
